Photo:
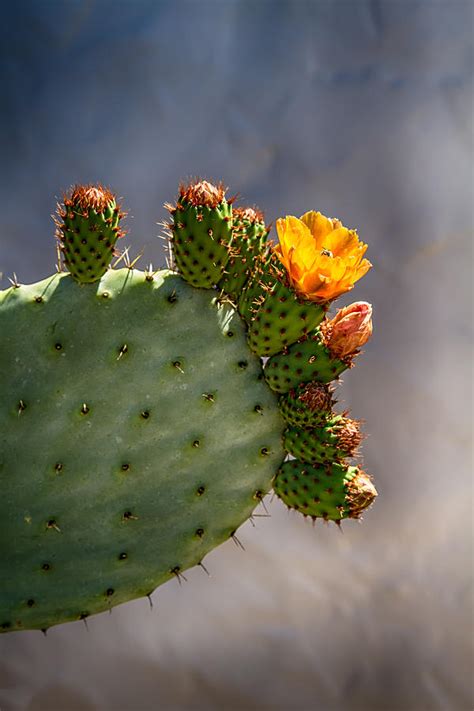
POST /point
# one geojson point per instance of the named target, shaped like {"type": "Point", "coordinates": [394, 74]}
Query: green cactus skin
{"type": "Point", "coordinates": [305, 361]}
{"type": "Point", "coordinates": [307, 406]}
{"type": "Point", "coordinates": [338, 437]}
{"type": "Point", "coordinates": [250, 235]}
{"type": "Point", "coordinates": [281, 320]}
{"type": "Point", "coordinates": [201, 234]}
{"type": "Point", "coordinates": [255, 291]}
{"type": "Point", "coordinates": [137, 434]}
{"type": "Point", "coordinates": [87, 231]}
{"type": "Point", "coordinates": [331, 492]}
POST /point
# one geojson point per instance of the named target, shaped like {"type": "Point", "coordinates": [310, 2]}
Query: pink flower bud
{"type": "Point", "coordinates": [349, 330]}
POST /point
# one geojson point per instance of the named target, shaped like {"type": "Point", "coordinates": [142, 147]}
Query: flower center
{"type": "Point", "coordinates": [327, 252]}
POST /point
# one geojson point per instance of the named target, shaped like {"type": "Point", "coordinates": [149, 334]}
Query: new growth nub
{"type": "Point", "coordinates": [87, 229]}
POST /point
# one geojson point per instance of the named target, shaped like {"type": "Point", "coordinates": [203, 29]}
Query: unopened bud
{"type": "Point", "coordinates": [349, 330]}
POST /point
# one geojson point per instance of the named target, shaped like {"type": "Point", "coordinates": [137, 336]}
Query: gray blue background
{"type": "Point", "coordinates": [360, 109]}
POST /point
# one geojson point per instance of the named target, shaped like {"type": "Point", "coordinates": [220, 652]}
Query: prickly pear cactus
{"type": "Point", "coordinates": [138, 428]}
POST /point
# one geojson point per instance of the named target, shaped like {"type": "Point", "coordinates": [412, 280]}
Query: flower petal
{"type": "Point", "coordinates": [318, 225]}
{"type": "Point", "coordinates": [323, 258]}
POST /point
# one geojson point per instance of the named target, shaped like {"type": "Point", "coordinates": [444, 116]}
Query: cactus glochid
{"type": "Point", "coordinates": [140, 427]}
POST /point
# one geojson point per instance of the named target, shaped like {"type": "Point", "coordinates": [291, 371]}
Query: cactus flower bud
{"type": "Point", "coordinates": [349, 330]}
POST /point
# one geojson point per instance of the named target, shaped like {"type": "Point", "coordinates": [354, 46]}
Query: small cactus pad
{"type": "Point", "coordinates": [281, 320]}
{"type": "Point", "coordinates": [137, 434]}
{"type": "Point", "coordinates": [201, 233]}
{"type": "Point", "coordinates": [87, 230]}
{"type": "Point", "coordinates": [308, 405]}
{"type": "Point", "coordinates": [253, 295]}
{"type": "Point", "coordinates": [302, 362]}
{"type": "Point", "coordinates": [250, 234]}
{"type": "Point", "coordinates": [330, 492]}
{"type": "Point", "coordinates": [337, 438]}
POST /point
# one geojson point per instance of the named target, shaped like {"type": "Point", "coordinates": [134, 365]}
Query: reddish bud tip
{"type": "Point", "coordinates": [249, 214]}
{"type": "Point", "coordinates": [349, 330]}
{"type": "Point", "coordinates": [86, 197]}
{"type": "Point", "coordinates": [201, 192]}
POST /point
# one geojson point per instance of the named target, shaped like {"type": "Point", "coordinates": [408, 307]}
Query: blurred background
{"type": "Point", "coordinates": [360, 109]}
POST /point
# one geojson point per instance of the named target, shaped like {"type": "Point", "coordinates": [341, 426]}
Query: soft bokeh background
{"type": "Point", "coordinates": [361, 109]}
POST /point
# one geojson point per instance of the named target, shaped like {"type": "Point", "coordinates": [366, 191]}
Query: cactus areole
{"type": "Point", "coordinates": [138, 427]}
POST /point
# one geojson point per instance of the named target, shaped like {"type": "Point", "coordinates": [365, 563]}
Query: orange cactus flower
{"type": "Point", "coordinates": [323, 258]}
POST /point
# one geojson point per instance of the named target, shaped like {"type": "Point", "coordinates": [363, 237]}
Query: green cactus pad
{"type": "Point", "coordinates": [255, 291]}
{"type": "Point", "coordinates": [281, 320]}
{"type": "Point", "coordinates": [137, 434]}
{"type": "Point", "coordinates": [303, 362]}
{"type": "Point", "coordinates": [307, 406]}
{"type": "Point", "coordinates": [201, 236]}
{"type": "Point", "coordinates": [333, 440]}
{"type": "Point", "coordinates": [332, 493]}
{"type": "Point", "coordinates": [87, 231]}
{"type": "Point", "coordinates": [250, 234]}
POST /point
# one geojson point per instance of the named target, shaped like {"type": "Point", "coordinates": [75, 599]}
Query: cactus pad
{"type": "Point", "coordinates": [201, 233]}
{"type": "Point", "coordinates": [137, 434]}
{"type": "Point", "coordinates": [250, 235]}
{"type": "Point", "coordinates": [332, 493]}
{"type": "Point", "coordinates": [304, 361]}
{"type": "Point", "coordinates": [87, 231]}
{"type": "Point", "coordinates": [281, 320]}
{"type": "Point", "coordinates": [308, 405]}
{"type": "Point", "coordinates": [333, 440]}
